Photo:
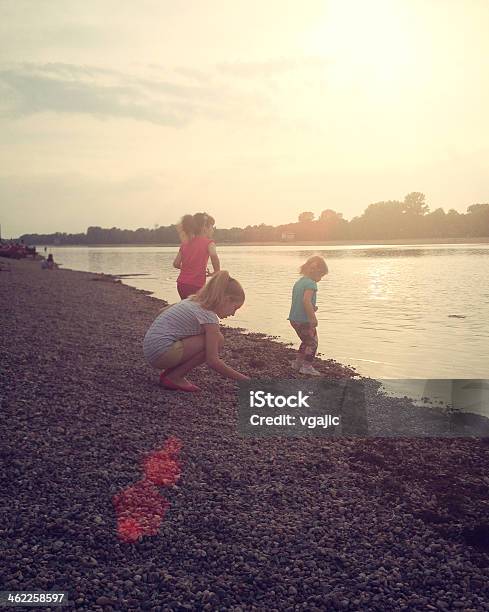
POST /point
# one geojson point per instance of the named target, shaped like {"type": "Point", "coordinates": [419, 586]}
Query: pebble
{"type": "Point", "coordinates": [103, 601]}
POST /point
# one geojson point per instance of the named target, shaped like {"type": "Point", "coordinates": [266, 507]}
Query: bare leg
{"type": "Point", "coordinates": [177, 374]}
{"type": "Point", "coordinates": [193, 355]}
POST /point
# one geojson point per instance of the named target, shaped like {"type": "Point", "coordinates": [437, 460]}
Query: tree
{"type": "Point", "coordinates": [381, 220]}
{"type": "Point", "coordinates": [306, 217]}
{"type": "Point", "coordinates": [329, 215]}
{"type": "Point", "coordinates": [477, 222]}
{"type": "Point", "coordinates": [476, 209]}
{"type": "Point", "coordinates": [392, 219]}
{"type": "Point", "coordinates": [414, 203]}
{"type": "Point", "coordinates": [434, 223]}
{"type": "Point", "coordinates": [331, 224]}
{"type": "Point", "coordinates": [454, 224]}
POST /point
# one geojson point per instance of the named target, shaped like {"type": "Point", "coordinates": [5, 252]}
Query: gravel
{"type": "Point", "coordinates": [252, 524]}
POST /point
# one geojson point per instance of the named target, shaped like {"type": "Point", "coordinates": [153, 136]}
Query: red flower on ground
{"type": "Point", "coordinates": [140, 511]}
{"type": "Point", "coordinates": [161, 467]}
{"type": "Point", "coordinates": [128, 529]}
{"type": "Point", "coordinates": [173, 445]}
{"type": "Point", "coordinates": [140, 508]}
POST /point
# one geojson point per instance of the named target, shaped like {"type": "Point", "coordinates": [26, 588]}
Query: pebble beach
{"type": "Point", "coordinates": [252, 524]}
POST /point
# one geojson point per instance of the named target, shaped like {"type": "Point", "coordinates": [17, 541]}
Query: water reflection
{"type": "Point", "coordinates": [379, 288]}
{"type": "Point", "coordinates": [393, 252]}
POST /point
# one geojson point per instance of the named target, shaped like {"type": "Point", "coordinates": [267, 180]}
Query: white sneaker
{"type": "Point", "coordinates": [296, 365]}
{"type": "Point", "coordinates": [307, 368]}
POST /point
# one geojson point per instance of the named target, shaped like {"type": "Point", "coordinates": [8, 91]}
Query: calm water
{"type": "Point", "coordinates": [386, 310]}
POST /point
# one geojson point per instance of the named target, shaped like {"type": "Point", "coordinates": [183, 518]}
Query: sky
{"type": "Point", "coordinates": [131, 114]}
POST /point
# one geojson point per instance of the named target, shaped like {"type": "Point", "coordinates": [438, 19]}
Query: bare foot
{"type": "Point", "coordinates": [178, 380]}
{"type": "Point", "coordinates": [180, 384]}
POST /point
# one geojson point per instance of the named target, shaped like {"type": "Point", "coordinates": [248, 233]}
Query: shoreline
{"type": "Point", "coordinates": [341, 523]}
{"type": "Point", "coordinates": [404, 242]}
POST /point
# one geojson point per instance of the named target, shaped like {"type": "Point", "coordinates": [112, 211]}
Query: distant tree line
{"type": "Point", "coordinates": [389, 220]}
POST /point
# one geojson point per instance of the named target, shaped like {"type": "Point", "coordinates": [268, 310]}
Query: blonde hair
{"type": "Point", "coordinates": [314, 264]}
{"type": "Point", "coordinates": [221, 285]}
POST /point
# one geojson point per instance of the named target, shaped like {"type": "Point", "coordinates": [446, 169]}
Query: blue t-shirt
{"type": "Point", "coordinates": [297, 310]}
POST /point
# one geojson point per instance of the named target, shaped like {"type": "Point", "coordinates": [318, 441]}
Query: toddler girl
{"type": "Point", "coordinates": [302, 315]}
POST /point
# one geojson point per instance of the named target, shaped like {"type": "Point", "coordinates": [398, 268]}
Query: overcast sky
{"type": "Point", "coordinates": [131, 113]}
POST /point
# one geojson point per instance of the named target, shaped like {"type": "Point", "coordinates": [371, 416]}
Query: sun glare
{"type": "Point", "coordinates": [367, 41]}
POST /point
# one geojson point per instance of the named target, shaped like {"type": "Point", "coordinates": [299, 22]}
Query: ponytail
{"type": "Point", "coordinates": [221, 285]}
{"type": "Point", "coordinates": [186, 228]}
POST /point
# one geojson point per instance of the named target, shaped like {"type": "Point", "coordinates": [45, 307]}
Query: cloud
{"type": "Point", "coordinates": [191, 73]}
{"type": "Point", "coordinates": [62, 88]}
{"type": "Point", "coordinates": [275, 67]}
{"type": "Point", "coordinates": [28, 89]}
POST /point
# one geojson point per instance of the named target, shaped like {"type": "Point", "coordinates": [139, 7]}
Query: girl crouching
{"type": "Point", "coordinates": [187, 334]}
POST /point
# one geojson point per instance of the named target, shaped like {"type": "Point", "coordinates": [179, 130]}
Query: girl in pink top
{"type": "Point", "coordinates": [197, 246]}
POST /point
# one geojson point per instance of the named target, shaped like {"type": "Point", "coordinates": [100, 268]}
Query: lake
{"type": "Point", "coordinates": [410, 311]}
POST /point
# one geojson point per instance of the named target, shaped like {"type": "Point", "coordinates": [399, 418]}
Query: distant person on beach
{"type": "Point", "coordinates": [197, 246]}
{"type": "Point", "coordinates": [186, 334]}
{"type": "Point", "coordinates": [302, 315]}
{"type": "Point", "coordinates": [49, 263]}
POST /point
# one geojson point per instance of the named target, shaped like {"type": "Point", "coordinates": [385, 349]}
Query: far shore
{"type": "Point", "coordinates": [405, 242]}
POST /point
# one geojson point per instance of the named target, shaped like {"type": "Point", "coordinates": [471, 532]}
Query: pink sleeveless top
{"type": "Point", "coordinates": [195, 255]}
